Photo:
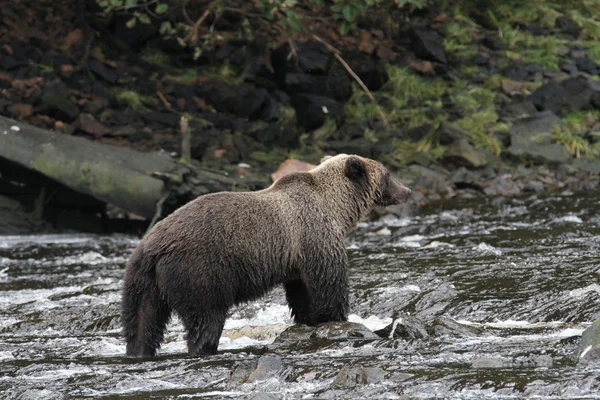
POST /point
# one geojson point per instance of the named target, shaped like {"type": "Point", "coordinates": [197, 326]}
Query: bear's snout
{"type": "Point", "coordinates": [394, 193]}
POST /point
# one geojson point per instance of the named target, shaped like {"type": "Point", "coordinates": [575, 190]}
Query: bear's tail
{"type": "Point", "coordinates": [144, 313]}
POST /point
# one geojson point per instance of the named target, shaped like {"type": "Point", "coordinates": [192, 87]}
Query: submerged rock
{"type": "Point", "coordinates": [588, 350]}
{"type": "Point", "coordinates": [263, 368]}
{"type": "Point", "coordinates": [349, 377]}
{"type": "Point", "coordinates": [332, 331]}
{"type": "Point", "coordinates": [444, 326]}
{"type": "Point", "coordinates": [530, 361]}
{"type": "Point", "coordinates": [405, 327]}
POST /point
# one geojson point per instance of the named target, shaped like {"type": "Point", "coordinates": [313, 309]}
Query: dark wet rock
{"type": "Point", "coordinates": [108, 74]}
{"type": "Point", "coordinates": [277, 135]}
{"type": "Point", "coordinates": [532, 28]}
{"type": "Point", "coordinates": [331, 331]}
{"type": "Point", "coordinates": [58, 105]}
{"type": "Point", "coordinates": [586, 64]}
{"type": "Point", "coordinates": [15, 221]}
{"type": "Point", "coordinates": [464, 178]}
{"type": "Point", "coordinates": [163, 118]}
{"type": "Point", "coordinates": [134, 36]}
{"type": "Point", "coordinates": [356, 130]}
{"type": "Point", "coordinates": [444, 326]}
{"type": "Point", "coordinates": [313, 110]}
{"type": "Point", "coordinates": [263, 368]}
{"type": "Point", "coordinates": [518, 109]}
{"type": "Point", "coordinates": [97, 88]}
{"type": "Point", "coordinates": [532, 361]}
{"type": "Point", "coordinates": [569, 95]}
{"type": "Point", "coordinates": [373, 73]}
{"type": "Point", "coordinates": [428, 45]}
{"type": "Point", "coordinates": [429, 178]}
{"type": "Point", "coordinates": [430, 304]}
{"type": "Point", "coordinates": [516, 71]}
{"type": "Point", "coordinates": [492, 42]}
{"type": "Point", "coordinates": [533, 186]}
{"type": "Point", "coordinates": [421, 158]}
{"type": "Point", "coordinates": [501, 186]}
{"type": "Point", "coordinates": [8, 63]}
{"type": "Point", "coordinates": [350, 377]}
{"type": "Point", "coordinates": [590, 166]}
{"type": "Point", "coordinates": [567, 25]}
{"type": "Point", "coordinates": [361, 146]}
{"type": "Point", "coordinates": [462, 153]}
{"type": "Point", "coordinates": [531, 139]}
{"type": "Point", "coordinates": [88, 124]}
{"type": "Point", "coordinates": [419, 132]}
{"type": "Point", "coordinates": [241, 101]}
{"type": "Point", "coordinates": [404, 326]}
{"type": "Point", "coordinates": [336, 87]}
{"type": "Point", "coordinates": [312, 57]}
{"type": "Point", "coordinates": [588, 350]}
{"type": "Point", "coordinates": [447, 133]}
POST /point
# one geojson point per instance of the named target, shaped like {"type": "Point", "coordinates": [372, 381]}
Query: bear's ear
{"type": "Point", "coordinates": [355, 167]}
{"type": "Point", "coordinates": [325, 158]}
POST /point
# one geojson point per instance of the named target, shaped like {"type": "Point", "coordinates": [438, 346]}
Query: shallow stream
{"type": "Point", "coordinates": [523, 274]}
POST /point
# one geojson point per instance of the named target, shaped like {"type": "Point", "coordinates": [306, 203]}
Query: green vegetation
{"type": "Point", "coordinates": [580, 121]}
{"type": "Point", "coordinates": [576, 145]}
{"type": "Point", "coordinates": [132, 100]}
{"type": "Point", "coordinates": [406, 99]}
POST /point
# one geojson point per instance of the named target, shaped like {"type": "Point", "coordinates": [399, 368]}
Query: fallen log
{"type": "Point", "coordinates": [134, 181]}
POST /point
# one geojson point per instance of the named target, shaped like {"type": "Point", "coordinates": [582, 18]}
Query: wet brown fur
{"type": "Point", "coordinates": [226, 248]}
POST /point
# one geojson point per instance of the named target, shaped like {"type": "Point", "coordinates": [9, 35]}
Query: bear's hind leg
{"type": "Point", "coordinates": [204, 331]}
{"type": "Point", "coordinates": [144, 326]}
{"type": "Point", "coordinates": [299, 301]}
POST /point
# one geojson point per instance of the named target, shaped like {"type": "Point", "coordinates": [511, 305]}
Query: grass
{"type": "Point", "coordinates": [186, 77]}
{"type": "Point", "coordinates": [576, 145]}
{"type": "Point", "coordinates": [226, 73]}
{"type": "Point", "coordinates": [481, 126]}
{"type": "Point", "coordinates": [155, 57]}
{"type": "Point", "coordinates": [132, 100]}
{"type": "Point", "coordinates": [577, 121]}
{"type": "Point", "coordinates": [406, 99]}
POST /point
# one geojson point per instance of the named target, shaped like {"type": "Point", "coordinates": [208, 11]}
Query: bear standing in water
{"type": "Point", "coordinates": [227, 248]}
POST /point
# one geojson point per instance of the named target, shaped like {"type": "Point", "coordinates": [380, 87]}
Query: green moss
{"type": "Point", "coordinates": [325, 132]}
{"type": "Point", "coordinates": [287, 115]}
{"type": "Point", "coordinates": [494, 82]}
{"type": "Point", "coordinates": [156, 57]}
{"type": "Point", "coordinates": [186, 77]}
{"type": "Point", "coordinates": [594, 52]}
{"type": "Point", "coordinates": [226, 73]}
{"type": "Point", "coordinates": [132, 100]}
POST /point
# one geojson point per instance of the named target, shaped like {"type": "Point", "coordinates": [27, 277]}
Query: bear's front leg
{"type": "Point", "coordinates": [326, 277]}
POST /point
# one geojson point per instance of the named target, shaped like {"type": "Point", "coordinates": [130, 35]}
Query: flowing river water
{"type": "Point", "coordinates": [518, 278]}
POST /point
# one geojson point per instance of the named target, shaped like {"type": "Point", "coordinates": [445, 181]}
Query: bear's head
{"type": "Point", "coordinates": [368, 179]}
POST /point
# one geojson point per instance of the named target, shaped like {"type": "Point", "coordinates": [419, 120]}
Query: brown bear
{"type": "Point", "coordinates": [227, 248]}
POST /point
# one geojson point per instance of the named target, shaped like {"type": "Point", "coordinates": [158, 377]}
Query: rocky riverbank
{"type": "Point", "coordinates": [475, 108]}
